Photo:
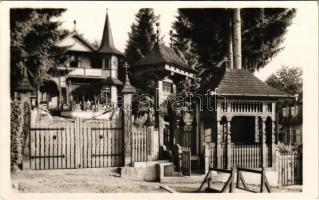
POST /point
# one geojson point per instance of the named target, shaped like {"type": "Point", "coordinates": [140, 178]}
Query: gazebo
{"type": "Point", "coordinates": [240, 131]}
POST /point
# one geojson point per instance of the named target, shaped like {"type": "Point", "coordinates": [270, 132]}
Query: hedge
{"type": "Point", "coordinates": [16, 136]}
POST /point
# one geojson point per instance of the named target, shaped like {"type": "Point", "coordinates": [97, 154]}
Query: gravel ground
{"type": "Point", "coordinates": [100, 180]}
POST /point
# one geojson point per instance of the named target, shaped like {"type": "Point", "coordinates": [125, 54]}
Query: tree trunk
{"type": "Point", "coordinates": [237, 38]}
{"type": "Point", "coordinates": [230, 45]}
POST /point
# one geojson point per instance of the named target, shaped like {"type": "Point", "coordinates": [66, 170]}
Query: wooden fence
{"type": "Point", "coordinates": [76, 144]}
{"type": "Point", "coordinates": [289, 167]}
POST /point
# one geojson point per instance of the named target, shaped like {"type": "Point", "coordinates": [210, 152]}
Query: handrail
{"type": "Point", "coordinates": [250, 170]}
{"type": "Point", "coordinates": [230, 182]}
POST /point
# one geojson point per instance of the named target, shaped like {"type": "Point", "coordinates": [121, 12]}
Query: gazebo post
{"type": "Point", "coordinates": [263, 143]}
{"type": "Point", "coordinates": [218, 146]}
{"type": "Point", "coordinates": [273, 145]}
{"type": "Point", "coordinates": [229, 152]}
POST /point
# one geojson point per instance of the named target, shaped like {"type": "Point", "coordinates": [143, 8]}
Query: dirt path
{"type": "Point", "coordinates": [99, 180]}
{"type": "Point", "coordinates": [80, 180]}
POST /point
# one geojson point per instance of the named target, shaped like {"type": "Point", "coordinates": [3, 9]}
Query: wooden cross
{"type": "Point", "coordinates": [126, 66]}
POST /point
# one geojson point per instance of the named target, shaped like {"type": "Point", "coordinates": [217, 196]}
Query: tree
{"type": "Point", "coordinates": [288, 79]}
{"type": "Point", "coordinates": [33, 36]}
{"type": "Point", "coordinates": [210, 31]}
{"type": "Point", "coordinates": [141, 37]}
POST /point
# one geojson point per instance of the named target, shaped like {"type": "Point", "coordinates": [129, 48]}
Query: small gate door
{"type": "Point", "coordinates": [101, 143]}
{"type": "Point", "coordinates": [186, 163]}
{"type": "Point", "coordinates": [52, 146]}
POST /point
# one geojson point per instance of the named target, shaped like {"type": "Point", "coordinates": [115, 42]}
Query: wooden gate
{"type": "Point", "coordinates": [76, 144]}
{"type": "Point", "coordinates": [140, 144]}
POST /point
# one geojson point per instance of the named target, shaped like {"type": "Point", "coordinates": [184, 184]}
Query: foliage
{"type": "Point", "coordinates": [141, 37]}
{"type": "Point", "coordinates": [205, 35]}
{"type": "Point", "coordinates": [288, 79]}
{"type": "Point", "coordinates": [16, 137]}
{"type": "Point", "coordinates": [141, 41]}
{"type": "Point", "coordinates": [33, 36]}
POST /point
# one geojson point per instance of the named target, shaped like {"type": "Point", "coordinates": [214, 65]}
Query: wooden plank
{"type": "Point", "coordinates": [108, 143]}
{"type": "Point", "coordinates": [47, 128]}
{"type": "Point", "coordinates": [86, 147]}
{"type": "Point", "coordinates": [112, 145]}
{"type": "Point", "coordinates": [90, 146]}
{"type": "Point", "coordinates": [45, 152]}
{"type": "Point", "coordinates": [93, 146]}
{"type": "Point", "coordinates": [59, 153]}
{"type": "Point", "coordinates": [63, 147]}
{"type": "Point", "coordinates": [67, 148]}
{"type": "Point", "coordinates": [115, 147]}
{"type": "Point", "coordinates": [165, 187]}
{"type": "Point", "coordinates": [36, 149]}
{"type": "Point", "coordinates": [41, 164]}
{"type": "Point", "coordinates": [132, 144]}
{"type": "Point", "coordinates": [30, 149]}
{"type": "Point", "coordinates": [102, 140]}
{"type": "Point", "coordinates": [72, 157]}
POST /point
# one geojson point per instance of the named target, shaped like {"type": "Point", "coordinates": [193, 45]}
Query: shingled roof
{"type": "Point", "coordinates": [107, 44]}
{"type": "Point", "coordinates": [240, 82]}
{"type": "Point", "coordinates": [162, 54]}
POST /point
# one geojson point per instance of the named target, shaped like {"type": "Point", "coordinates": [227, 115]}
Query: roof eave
{"type": "Point", "coordinates": [254, 95]}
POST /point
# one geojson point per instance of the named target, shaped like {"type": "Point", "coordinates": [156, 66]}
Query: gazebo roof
{"type": "Point", "coordinates": [240, 82]}
{"type": "Point", "coordinates": [162, 54]}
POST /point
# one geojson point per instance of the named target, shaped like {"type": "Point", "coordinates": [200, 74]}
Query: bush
{"type": "Point", "coordinates": [283, 148]}
{"type": "Point", "coordinates": [16, 136]}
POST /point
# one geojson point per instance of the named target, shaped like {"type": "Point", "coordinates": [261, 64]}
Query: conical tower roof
{"type": "Point", "coordinates": [107, 44]}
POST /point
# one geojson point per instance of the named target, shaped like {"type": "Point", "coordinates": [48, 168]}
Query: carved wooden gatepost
{"type": "Point", "coordinates": [127, 91]}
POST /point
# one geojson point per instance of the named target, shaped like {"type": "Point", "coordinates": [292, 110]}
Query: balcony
{"type": "Point", "coordinates": [88, 72]}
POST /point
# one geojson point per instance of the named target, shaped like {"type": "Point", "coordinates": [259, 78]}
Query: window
{"type": "Point", "coordinates": [269, 107]}
{"type": "Point", "coordinates": [74, 61]}
{"type": "Point", "coordinates": [106, 63]}
{"type": "Point", "coordinates": [167, 87]}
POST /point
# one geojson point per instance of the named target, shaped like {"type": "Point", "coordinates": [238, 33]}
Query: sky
{"type": "Point", "coordinates": [300, 44]}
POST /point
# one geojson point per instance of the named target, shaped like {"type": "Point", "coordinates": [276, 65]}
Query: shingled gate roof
{"type": "Point", "coordinates": [240, 82]}
{"type": "Point", "coordinates": [162, 54]}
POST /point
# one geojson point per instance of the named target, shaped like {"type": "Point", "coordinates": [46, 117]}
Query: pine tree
{"type": "Point", "coordinates": [262, 32]}
{"type": "Point", "coordinates": [33, 37]}
{"type": "Point", "coordinates": [141, 37]}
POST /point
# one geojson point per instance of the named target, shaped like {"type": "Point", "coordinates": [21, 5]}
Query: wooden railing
{"type": "Point", "coordinates": [246, 106]}
{"type": "Point", "coordinates": [248, 156]}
